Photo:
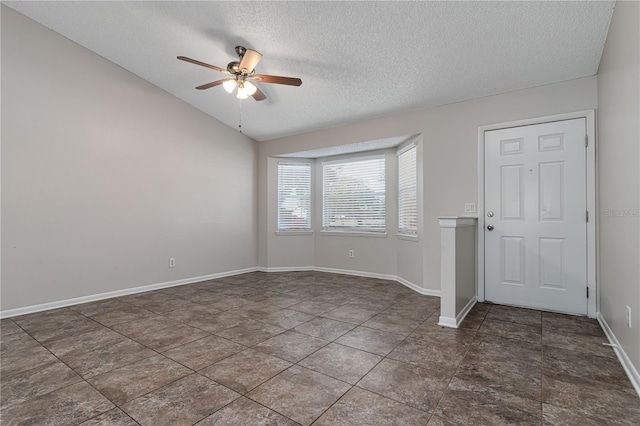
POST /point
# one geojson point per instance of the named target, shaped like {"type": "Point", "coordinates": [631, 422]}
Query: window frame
{"type": "Point", "coordinates": [404, 232]}
{"type": "Point", "coordinates": [354, 230]}
{"type": "Point", "coordinates": [308, 230]}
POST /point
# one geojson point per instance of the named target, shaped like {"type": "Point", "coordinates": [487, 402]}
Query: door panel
{"type": "Point", "coordinates": [551, 206]}
{"type": "Point", "coordinates": [535, 199]}
{"type": "Point", "coordinates": [552, 262]}
{"type": "Point", "coordinates": [513, 260]}
{"type": "Point", "coordinates": [512, 198]}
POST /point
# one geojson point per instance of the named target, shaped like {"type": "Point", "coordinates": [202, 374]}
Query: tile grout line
{"type": "Point", "coordinates": [160, 353]}
{"type": "Point", "coordinates": [477, 332]}
{"type": "Point", "coordinates": [297, 363]}
{"type": "Point", "coordinates": [83, 379]}
{"type": "Point", "coordinates": [355, 385]}
{"type": "Point", "coordinates": [435, 409]}
{"type": "Point", "coordinates": [541, 371]}
{"type": "Point", "coordinates": [123, 365]}
{"type": "Point", "coordinates": [334, 341]}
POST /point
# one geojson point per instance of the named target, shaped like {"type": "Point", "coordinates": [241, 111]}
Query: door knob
{"type": "Point", "coordinates": [490, 228]}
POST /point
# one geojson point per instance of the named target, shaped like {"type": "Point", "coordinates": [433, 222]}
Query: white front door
{"type": "Point", "coordinates": [535, 216]}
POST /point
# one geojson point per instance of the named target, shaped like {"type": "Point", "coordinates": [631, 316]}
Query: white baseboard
{"type": "Point", "coordinates": [355, 273]}
{"type": "Point", "coordinates": [406, 283]}
{"type": "Point", "coordinates": [124, 292]}
{"type": "Point", "coordinates": [465, 311]}
{"type": "Point", "coordinates": [455, 322]}
{"type": "Point", "coordinates": [447, 322]}
{"type": "Point", "coordinates": [628, 366]}
{"type": "Point", "coordinates": [418, 289]}
{"type": "Point", "coordinates": [101, 296]}
{"type": "Point", "coordinates": [285, 268]}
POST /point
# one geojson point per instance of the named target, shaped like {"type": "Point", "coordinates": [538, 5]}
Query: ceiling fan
{"type": "Point", "coordinates": [243, 75]}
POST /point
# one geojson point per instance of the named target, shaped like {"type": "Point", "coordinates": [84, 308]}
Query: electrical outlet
{"type": "Point", "coordinates": [629, 316]}
{"type": "Point", "coordinates": [172, 262]}
{"type": "Point", "coordinates": [352, 253]}
{"type": "Point", "coordinates": [469, 207]}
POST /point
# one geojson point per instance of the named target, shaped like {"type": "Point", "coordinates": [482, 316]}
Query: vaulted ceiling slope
{"type": "Point", "coordinates": [357, 60]}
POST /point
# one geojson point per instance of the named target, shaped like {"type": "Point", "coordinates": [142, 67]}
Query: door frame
{"type": "Point", "coordinates": [593, 302]}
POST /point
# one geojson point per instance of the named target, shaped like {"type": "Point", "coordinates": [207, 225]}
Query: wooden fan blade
{"type": "Point", "coordinates": [289, 81]}
{"type": "Point", "coordinates": [258, 95]}
{"type": "Point", "coordinates": [202, 64]}
{"type": "Point", "coordinates": [212, 84]}
{"type": "Point", "coordinates": [250, 60]}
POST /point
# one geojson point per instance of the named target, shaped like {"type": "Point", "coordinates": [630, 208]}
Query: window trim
{"type": "Point", "coordinates": [283, 233]}
{"type": "Point", "coordinates": [355, 234]}
{"type": "Point", "coordinates": [406, 147]}
{"type": "Point", "coordinates": [407, 237]}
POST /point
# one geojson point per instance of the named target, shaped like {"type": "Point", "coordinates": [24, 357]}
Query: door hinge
{"type": "Point", "coordinates": [587, 292]}
{"type": "Point", "coordinates": [586, 140]}
{"type": "Point", "coordinates": [587, 216]}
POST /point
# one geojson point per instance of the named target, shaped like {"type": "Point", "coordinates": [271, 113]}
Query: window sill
{"type": "Point", "coordinates": [407, 237]}
{"type": "Point", "coordinates": [293, 233]}
{"type": "Point", "coordinates": [355, 234]}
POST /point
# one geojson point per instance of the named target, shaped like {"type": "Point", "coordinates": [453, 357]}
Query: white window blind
{"type": "Point", "coordinates": [407, 192]}
{"type": "Point", "coordinates": [353, 196]}
{"type": "Point", "coordinates": [294, 196]}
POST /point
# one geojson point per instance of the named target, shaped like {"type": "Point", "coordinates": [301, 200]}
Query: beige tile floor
{"type": "Point", "coordinates": [305, 348]}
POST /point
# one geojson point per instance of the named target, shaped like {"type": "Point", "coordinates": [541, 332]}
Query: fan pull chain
{"type": "Point", "coordinates": [240, 115]}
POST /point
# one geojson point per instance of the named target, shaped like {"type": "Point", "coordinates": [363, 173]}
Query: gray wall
{"type": "Point", "coordinates": [105, 176]}
{"type": "Point", "coordinates": [449, 159]}
{"type": "Point", "coordinates": [374, 254]}
{"type": "Point", "coordinates": [619, 177]}
{"type": "Point", "coordinates": [465, 266]}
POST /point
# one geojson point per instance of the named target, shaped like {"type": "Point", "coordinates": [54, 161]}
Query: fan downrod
{"type": "Point", "coordinates": [234, 66]}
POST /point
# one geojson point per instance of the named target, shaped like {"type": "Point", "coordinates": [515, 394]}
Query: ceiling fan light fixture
{"type": "Point", "coordinates": [250, 88]}
{"type": "Point", "coordinates": [242, 92]}
{"type": "Point", "coordinates": [246, 89]}
{"type": "Point", "coordinates": [229, 85]}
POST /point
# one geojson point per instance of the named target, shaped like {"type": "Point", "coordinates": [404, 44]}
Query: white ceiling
{"type": "Point", "coordinates": [357, 60]}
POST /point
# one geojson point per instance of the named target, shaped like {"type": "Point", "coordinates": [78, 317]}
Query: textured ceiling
{"type": "Point", "coordinates": [357, 60]}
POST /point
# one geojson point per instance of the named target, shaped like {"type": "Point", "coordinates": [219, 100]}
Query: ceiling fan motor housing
{"type": "Point", "coordinates": [233, 67]}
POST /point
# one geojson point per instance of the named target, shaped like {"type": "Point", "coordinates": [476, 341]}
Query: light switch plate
{"type": "Point", "coordinates": [469, 207]}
